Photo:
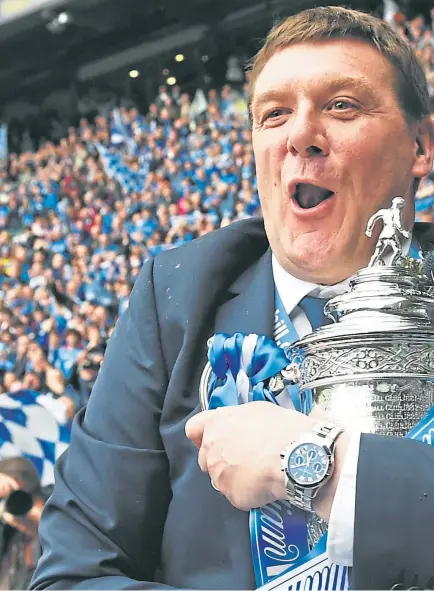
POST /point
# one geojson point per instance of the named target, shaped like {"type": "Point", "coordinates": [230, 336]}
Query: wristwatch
{"type": "Point", "coordinates": [308, 464]}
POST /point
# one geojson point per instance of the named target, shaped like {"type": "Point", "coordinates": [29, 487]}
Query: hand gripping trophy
{"type": "Point", "coordinates": [389, 238]}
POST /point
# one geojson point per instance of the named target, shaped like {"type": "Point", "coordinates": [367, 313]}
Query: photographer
{"type": "Point", "coordinates": [22, 501]}
{"type": "Point", "coordinates": [84, 374]}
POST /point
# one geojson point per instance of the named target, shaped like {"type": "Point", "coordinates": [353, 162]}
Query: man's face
{"type": "Point", "coordinates": [326, 114]}
{"type": "Point", "coordinates": [72, 340]}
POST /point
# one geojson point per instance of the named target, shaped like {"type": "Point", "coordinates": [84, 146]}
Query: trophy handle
{"type": "Point", "coordinates": [203, 386]}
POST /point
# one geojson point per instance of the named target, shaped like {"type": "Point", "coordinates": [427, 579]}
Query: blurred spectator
{"type": "Point", "coordinates": [22, 501]}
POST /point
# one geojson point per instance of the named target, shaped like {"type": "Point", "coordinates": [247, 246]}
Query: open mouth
{"type": "Point", "coordinates": [310, 196]}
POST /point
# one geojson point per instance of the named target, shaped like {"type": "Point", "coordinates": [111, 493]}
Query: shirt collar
{"type": "Point", "coordinates": [292, 290]}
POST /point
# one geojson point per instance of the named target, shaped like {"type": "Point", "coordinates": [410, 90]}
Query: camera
{"type": "Point", "coordinates": [90, 364]}
{"type": "Point", "coordinates": [18, 503]}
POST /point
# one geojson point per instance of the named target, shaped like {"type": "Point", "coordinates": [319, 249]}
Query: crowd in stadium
{"type": "Point", "coordinates": [78, 218]}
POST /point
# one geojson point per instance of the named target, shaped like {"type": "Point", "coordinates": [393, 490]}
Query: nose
{"type": "Point", "coordinates": [306, 137]}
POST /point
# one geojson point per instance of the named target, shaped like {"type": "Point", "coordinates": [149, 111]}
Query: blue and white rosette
{"type": "Point", "coordinates": [241, 367]}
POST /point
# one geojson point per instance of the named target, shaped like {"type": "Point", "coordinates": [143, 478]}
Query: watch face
{"type": "Point", "coordinates": [308, 464]}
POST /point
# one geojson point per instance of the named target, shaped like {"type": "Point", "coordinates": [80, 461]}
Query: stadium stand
{"type": "Point", "coordinates": [79, 217]}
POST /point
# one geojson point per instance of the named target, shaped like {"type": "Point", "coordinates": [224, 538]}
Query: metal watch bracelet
{"type": "Point", "coordinates": [300, 496]}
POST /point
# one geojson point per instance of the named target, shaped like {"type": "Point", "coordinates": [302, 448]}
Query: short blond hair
{"type": "Point", "coordinates": [337, 22]}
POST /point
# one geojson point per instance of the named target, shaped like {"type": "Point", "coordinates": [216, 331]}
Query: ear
{"type": "Point", "coordinates": [424, 148]}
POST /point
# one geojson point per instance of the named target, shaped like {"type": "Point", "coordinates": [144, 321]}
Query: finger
{"type": "Point", "coordinates": [15, 484]}
{"type": "Point", "coordinates": [202, 459]}
{"type": "Point", "coordinates": [16, 523]}
{"type": "Point", "coordinates": [195, 426]}
{"type": "Point", "coordinates": [203, 464]}
{"type": "Point", "coordinates": [7, 485]}
{"type": "Point", "coordinates": [10, 519]}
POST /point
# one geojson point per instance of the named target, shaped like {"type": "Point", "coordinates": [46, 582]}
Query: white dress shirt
{"type": "Point", "coordinates": [340, 538]}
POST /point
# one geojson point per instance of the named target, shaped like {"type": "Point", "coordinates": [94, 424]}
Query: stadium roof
{"type": "Point", "coordinates": [31, 53]}
{"type": "Point", "coordinates": [34, 49]}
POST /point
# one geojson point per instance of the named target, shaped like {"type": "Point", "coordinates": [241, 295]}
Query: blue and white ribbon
{"type": "Point", "coordinates": [241, 365]}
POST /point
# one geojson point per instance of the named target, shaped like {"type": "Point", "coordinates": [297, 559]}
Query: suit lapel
{"type": "Point", "coordinates": [250, 309]}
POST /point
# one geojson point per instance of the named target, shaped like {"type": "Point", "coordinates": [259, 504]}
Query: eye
{"type": "Point", "coordinates": [342, 105]}
{"type": "Point", "coordinates": [274, 114]}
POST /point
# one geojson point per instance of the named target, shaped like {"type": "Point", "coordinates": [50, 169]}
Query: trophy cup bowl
{"type": "Point", "coordinates": [376, 381]}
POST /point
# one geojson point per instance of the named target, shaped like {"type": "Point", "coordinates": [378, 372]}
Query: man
{"type": "Point", "coordinates": [340, 124]}
{"type": "Point", "coordinates": [84, 374]}
{"type": "Point", "coordinates": [21, 358]}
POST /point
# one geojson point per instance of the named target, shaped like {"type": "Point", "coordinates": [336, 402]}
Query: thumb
{"type": "Point", "coordinates": [195, 426]}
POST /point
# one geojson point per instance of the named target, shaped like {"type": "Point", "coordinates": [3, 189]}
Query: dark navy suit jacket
{"type": "Point", "coordinates": [132, 510]}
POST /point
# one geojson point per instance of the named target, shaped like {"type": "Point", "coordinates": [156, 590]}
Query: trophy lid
{"type": "Point", "coordinates": [397, 297]}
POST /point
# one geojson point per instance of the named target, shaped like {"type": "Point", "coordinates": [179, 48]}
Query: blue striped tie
{"type": "Point", "coordinates": [314, 309]}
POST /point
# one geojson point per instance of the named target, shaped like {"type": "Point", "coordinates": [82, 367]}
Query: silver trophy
{"type": "Point", "coordinates": [373, 368]}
